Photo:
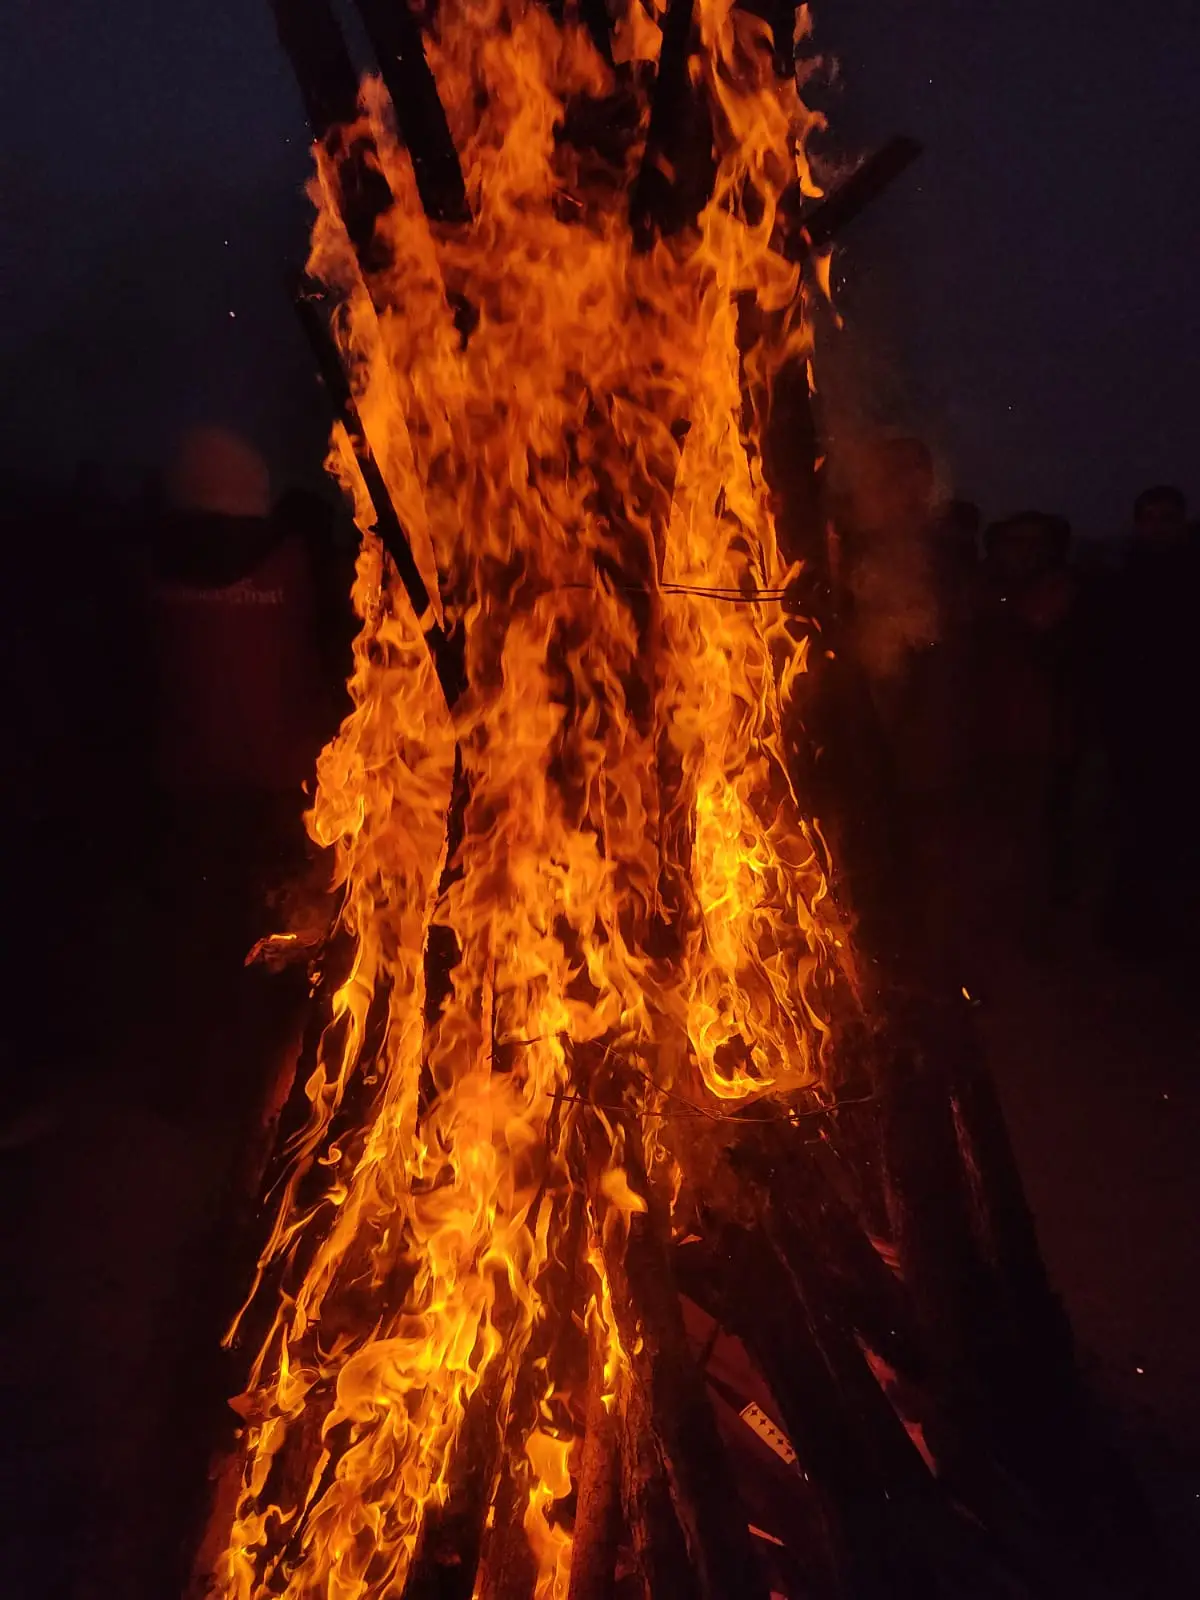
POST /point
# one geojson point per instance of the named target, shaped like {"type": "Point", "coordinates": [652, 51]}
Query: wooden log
{"type": "Point", "coordinates": [597, 1505]}
{"type": "Point", "coordinates": [954, 1197]}
{"type": "Point", "coordinates": [660, 1549]}
{"type": "Point", "coordinates": [446, 1561]}
{"type": "Point", "coordinates": [928, 1212]}
{"type": "Point", "coordinates": [312, 40]}
{"type": "Point", "coordinates": [886, 1454]}
{"type": "Point", "coordinates": [1001, 1220]}
{"type": "Point", "coordinates": [738, 1283]}
{"type": "Point", "coordinates": [313, 43]}
{"type": "Point", "coordinates": [868, 1297]}
{"type": "Point", "coordinates": [839, 757]}
{"type": "Point", "coordinates": [967, 1249]}
{"type": "Point", "coordinates": [446, 652]}
{"type": "Point", "coordinates": [668, 1383]}
{"type": "Point", "coordinates": [887, 1530]}
{"type": "Point", "coordinates": [510, 1566]}
{"type": "Point", "coordinates": [853, 787]}
{"type": "Point", "coordinates": [420, 116]}
{"type": "Point", "coordinates": [1038, 1419]}
{"type": "Point", "coordinates": [825, 219]}
{"type": "Point", "coordinates": [677, 169]}
{"type": "Point", "coordinates": [281, 1161]}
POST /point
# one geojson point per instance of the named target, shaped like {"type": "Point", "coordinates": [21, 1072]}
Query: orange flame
{"type": "Point", "coordinates": [636, 898]}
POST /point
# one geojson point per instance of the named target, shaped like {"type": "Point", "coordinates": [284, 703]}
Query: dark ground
{"type": "Point", "coordinates": [136, 1046]}
{"type": "Point", "coordinates": [1097, 1066]}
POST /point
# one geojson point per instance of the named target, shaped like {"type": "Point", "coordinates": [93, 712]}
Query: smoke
{"type": "Point", "coordinates": [884, 495]}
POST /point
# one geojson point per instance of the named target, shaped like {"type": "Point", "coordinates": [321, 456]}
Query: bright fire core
{"type": "Point", "coordinates": [628, 931]}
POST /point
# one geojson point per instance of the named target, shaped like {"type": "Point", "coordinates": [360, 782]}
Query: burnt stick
{"type": "Point", "coordinates": [594, 1545]}
{"type": "Point", "coordinates": [420, 116]}
{"type": "Point", "coordinates": [328, 82]}
{"type": "Point", "coordinates": [599, 25]}
{"type": "Point", "coordinates": [824, 220]}
{"type": "Point", "coordinates": [446, 656]}
{"type": "Point", "coordinates": [675, 176]}
{"type": "Point", "coordinates": [679, 1417]}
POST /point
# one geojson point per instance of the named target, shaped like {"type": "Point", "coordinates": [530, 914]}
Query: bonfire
{"type": "Point", "coordinates": [618, 1238]}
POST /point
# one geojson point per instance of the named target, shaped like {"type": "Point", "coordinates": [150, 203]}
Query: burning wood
{"type": "Point", "coordinates": [600, 997]}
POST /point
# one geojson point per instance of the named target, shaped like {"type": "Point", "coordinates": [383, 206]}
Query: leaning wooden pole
{"type": "Point", "coordinates": [597, 1514]}
{"type": "Point", "coordinates": [313, 43]}
{"type": "Point", "coordinates": [446, 653]}
{"type": "Point", "coordinates": [421, 118]}
{"type": "Point", "coordinates": [670, 1390]}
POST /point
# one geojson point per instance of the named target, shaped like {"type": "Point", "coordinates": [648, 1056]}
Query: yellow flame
{"type": "Point", "coordinates": [636, 881]}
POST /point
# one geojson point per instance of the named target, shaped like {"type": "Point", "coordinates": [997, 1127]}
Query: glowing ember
{"type": "Point", "coordinates": [633, 927]}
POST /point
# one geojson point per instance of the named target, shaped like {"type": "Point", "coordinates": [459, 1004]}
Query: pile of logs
{"type": "Point", "coordinates": [871, 1267]}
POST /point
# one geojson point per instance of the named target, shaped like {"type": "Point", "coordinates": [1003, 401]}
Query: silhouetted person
{"type": "Point", "coordinates": [1150, 683]}
{"type": "Point", "coordinates": [241, 696]}
{"type": "Point", "coordinates": [1160, 525]}
{"type": "Point", "coordinates": [1028, 714]}
{"type": "Point", "coordinates": [909, 570]}
{"type": "Point", "coordinates": [311, 518]}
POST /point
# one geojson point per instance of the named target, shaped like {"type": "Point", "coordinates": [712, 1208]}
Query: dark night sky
{"type": "Point", "coordinates": [1028, 292]}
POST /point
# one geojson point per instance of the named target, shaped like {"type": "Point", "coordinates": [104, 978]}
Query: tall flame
{"type": "Point", "coordinates": [635, 912]}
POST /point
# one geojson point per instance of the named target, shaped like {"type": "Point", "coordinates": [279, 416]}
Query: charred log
{"type": "Point", "coordinates": [597, 1507]}
{"type": "Point", "coordinates": [676, 175]}
{"type": "Point", "coordinates": [312, 40]}
{"type": "Point", "coordinates": [396, 40]}
{"type": "Point", "coordinates": [660, 1549]}
{"type": "Point", "coordinates": [446, 652]}
{"type": "Point", "coordinates": [821, 223]}
{"type": "Point", "coordinates": [671, 1389]}
{"type": "Point", "coordinates": [446, 1561]}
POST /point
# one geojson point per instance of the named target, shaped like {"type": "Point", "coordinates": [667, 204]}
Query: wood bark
{"type": "Point", "coordinates": [446, 1560]}
{"type": "Point", "coordinates": [598, 1502]}
{"type": "Point", "coordinates": [597, 1508]}
{"type": "Point", "coordinates": [670, 1387]}
{"type": "Point", "coordinates": [663, 1559]}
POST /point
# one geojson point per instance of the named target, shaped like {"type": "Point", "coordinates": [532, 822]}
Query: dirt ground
{"type": "Point", "coordinates": [1098, 1066]}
